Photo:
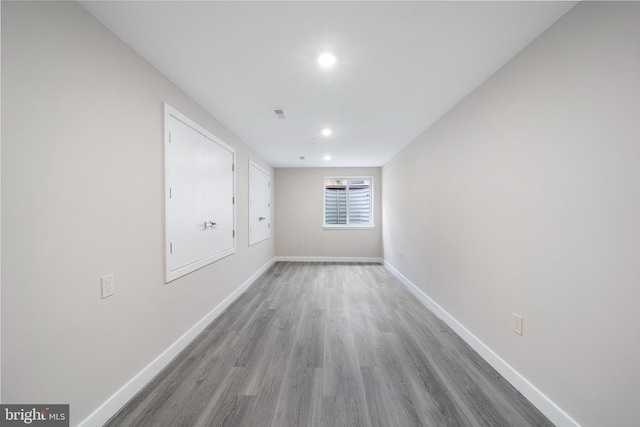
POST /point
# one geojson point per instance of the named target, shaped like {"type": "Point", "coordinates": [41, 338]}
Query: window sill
{"type": "Point", "coordinates": [348, 227]}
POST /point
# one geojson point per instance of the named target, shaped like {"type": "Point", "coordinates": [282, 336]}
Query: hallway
{"type": "Point", "coordinates": [312, 344]}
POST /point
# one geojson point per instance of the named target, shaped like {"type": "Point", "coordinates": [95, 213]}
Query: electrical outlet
{"type": "Point", "coordinates": [107, 286]}
{"type": "Point", "coordinates": [517, 324]}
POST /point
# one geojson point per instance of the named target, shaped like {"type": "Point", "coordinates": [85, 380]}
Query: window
{"type": "Point", "coordinates": [348, 202]}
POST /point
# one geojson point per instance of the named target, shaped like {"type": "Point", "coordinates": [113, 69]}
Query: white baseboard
{"type": "Point", "coordinates": [545, 405]}
{"type": "Point", "coordinates": [120, 398]}
{"type": "Point", "coordinates": [328, 259]}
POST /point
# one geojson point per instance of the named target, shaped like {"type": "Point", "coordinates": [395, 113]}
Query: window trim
{"type": "Point", "coordinates": [369, 226]}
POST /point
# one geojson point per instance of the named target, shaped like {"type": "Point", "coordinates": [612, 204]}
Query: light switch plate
{"type": "Point", "coordinates": [517, 324]}
{"type": "Point", "coordinates": [107, 285]}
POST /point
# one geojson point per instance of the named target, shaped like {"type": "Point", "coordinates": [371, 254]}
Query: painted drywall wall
{"type": "Point", "coordinates": [299, 216]}
{"type": "Point", "coordinates": [83, 197]}
{"type": "Point", "coordinates": [0, 211]}
{"type": "Point", "coordinates": [524, 199]}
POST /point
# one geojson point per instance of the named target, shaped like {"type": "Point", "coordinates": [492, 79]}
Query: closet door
{"type": "Point", "coordinates": [200, 196]}
{"type": "Point", "coordinates": [259, 204]}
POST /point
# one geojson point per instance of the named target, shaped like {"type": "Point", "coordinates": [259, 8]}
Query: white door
{"type": "Point", "coordinates": [200, 204]}
{"type": "Point", "coordinates": [259, 204]}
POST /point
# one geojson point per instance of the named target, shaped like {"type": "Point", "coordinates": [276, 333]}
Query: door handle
{"type": "Point", "coordinates": [210, 224]}
{"type": "Point", "coordinates": [261, 218]}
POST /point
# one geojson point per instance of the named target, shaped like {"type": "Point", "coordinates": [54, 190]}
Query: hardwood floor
{"type": "Point", "coordinates": [313, 344]}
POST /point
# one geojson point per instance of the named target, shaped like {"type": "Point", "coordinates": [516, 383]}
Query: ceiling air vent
{"type": "Point", "coordinates": [280, 113]}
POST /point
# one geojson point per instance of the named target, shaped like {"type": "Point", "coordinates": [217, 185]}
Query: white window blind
{"type": "Point", "coordinates": [348, 202]}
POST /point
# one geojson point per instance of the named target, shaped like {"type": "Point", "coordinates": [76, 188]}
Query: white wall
{"type": "Point", "coordinates": [0, 217]}
{"type": "Point", "coordinates": [82, 197]}
{"type": "Point", "coordinates": [299, 216]}
{"type": "Point", "coordinates": [525, 198]}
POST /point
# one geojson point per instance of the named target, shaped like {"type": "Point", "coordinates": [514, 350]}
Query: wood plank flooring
{"type": "Point", "coordinates": [328, 344]}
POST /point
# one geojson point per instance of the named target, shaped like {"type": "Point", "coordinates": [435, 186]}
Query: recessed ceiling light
{"type": "Point", "coordinates": [327, 157]}
{"type": "Point", "coordinates": [327, 132]}
{"type": "Point", "coordinates": [327, 59]}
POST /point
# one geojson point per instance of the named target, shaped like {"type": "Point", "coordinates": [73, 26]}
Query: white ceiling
{"type": "Point", "coordinates": [401, 65]}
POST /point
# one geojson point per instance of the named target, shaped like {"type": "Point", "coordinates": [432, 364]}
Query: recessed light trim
{"type": "Point", "coordinates": [327, 60]}
{"type": "Point", "coordinates": [326, 132]}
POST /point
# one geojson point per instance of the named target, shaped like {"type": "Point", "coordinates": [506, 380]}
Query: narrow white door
{"type": "Point", "coordinates": [259, 204]}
